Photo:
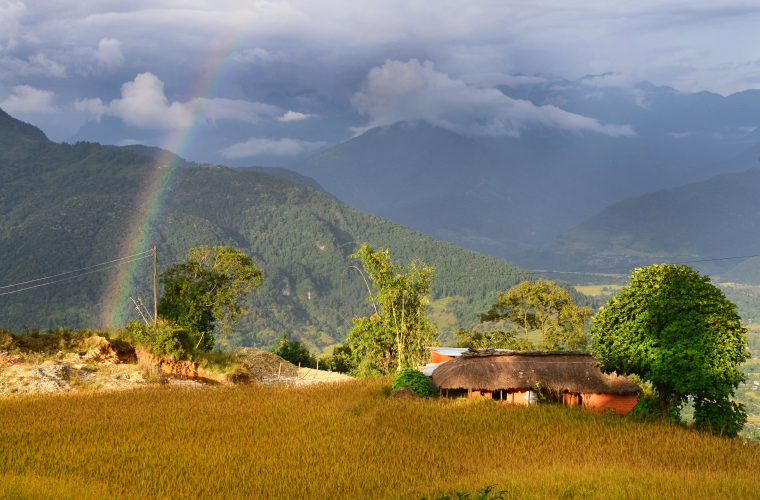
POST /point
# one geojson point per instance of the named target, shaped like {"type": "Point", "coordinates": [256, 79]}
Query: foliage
{"type": "Point", "coordinates": [497, 339]}
{"type": "Point", "coordinates": [672, 327]}
{"type": "Point", "coordinates": [546, 307]}
{"type": "Point", "coordinates": [413, 379]}
{"type": "Point", "coordinates": [206, 290]}
{"type": "Point", "coordinates": [65, 207]}
{"type": "Point", "coordinates": [487, 493]}
{"type": "Point", "coordinates": [340, 360]}
{"type": "Point", "coordinates": [395, 337]}
{"type": "Point", "coordinates": [294, 351]}
{"type": "Point", "coordinates": [166, 338]}
{"type": "Point", "coordinates": [35, 341]}
{"type": "Point", "coordinates": [351, 443]}
{"type": "Point", "coordinates": [7, 340]}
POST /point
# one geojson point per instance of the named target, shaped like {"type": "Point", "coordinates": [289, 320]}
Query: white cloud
{"type": "Point", "coordinates": [11, 14]}
{"type": "Point", "coordinates": [493, 79]}
{"type": "Point", "coordinates": [129, 142]}
{"type": "Point", "coordinates": [410, 91]}
{"type": "Point", "coordinates": [259, 146]}
{"type": "Point", "coordinates": [621, 81]}
{"type": "Point", "coordinates": [109, 53]}
{"type": "Point", "coordinates": [37, 65]}
{"type": "Point", "coordinates": [27, 99]}
{"type": "Point", "coordinates": [680, 135]}
{"type": "Point", "coordinates": [143, 104]}
{"type": "Point", "coordinates": [609, 80]}
{"type": "Point", "coordinates": [294, 116]}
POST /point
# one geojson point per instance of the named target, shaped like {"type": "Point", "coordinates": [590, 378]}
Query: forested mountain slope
{"type": "Point", "coordinates": [166, 157]}
{"type": "Point", "coordinates": [446, 185]}
{"type": "Point", "coordinates": [64, 207]}
{"type": "Point", "coordinates": [506, 193]}
{"type": "Point", "coordinates": [716, 218]}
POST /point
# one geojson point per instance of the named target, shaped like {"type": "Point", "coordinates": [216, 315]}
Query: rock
{"type": "Point", "coordinates": [403, 393]}
{"type": "Point", "coordinates": [8, 359]}
{"type": "Point", "coordinates": [184, 368]}
{"type": "Point", "coordinates": [101, 350]}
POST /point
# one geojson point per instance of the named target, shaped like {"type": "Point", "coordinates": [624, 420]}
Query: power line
{"type": "Point", "coordinates": [79, 275]}
{"type": "Point", "coordinates": [75, 270]}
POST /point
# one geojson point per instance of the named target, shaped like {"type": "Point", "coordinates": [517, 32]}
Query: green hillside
{"type": "Point", "coordinates": [716, 218]}
{"type": "Point", "coordinates": [64, 207]}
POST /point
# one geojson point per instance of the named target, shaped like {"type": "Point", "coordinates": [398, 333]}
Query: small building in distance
{"type": "Point", "coordinates": [571, 378]}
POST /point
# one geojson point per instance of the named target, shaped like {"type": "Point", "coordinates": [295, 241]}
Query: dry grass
{"type": "Point", "coordinates": [348, 441]}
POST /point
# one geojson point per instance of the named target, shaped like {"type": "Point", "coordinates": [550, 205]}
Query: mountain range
{"type": "Point", "coordinates": [506, 195]}
{"type": "Point", "coordinates": [65, 207]}
{"type": "Point", "coordinates": [705, 223]}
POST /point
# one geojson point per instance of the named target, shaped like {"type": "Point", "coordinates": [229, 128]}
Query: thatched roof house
{"type": "Point", "coordinates": [519, 377]}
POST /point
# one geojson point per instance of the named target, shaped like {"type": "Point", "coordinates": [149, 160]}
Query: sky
{"type": "Point", "coordinates": [268, 82]}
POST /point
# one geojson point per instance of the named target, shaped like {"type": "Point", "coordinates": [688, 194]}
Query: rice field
{"type": "Point", "coordinates": [348, 440]}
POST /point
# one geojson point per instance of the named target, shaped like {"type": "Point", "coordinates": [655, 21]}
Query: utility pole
{"type": "Point", "coordinates": [155, 287]}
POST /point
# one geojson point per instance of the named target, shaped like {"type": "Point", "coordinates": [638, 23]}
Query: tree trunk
{"type": "Point", "coordinates": [665, 402]}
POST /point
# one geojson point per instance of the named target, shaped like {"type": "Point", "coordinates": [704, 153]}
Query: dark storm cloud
{"type": "Point", "coordinates": [65, 63]}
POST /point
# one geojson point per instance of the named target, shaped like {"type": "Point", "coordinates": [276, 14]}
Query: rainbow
{"type": "Point", "coordinates": [141, 232]}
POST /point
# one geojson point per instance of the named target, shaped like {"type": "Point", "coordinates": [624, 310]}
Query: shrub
{"type": "Point", "coordinates": [7, 342]}
{"type": "Point", "coordinates": [294, 351]}
{"type": "Point", "coordinates": [45, 343]}
{"type": "Point", "coordinates": [413, 379]}
{"type": "Point", "coordinates": [340, 361]}
{"type": "Point", "coordinates": [167, 338]}
{"type": "Point", "coordinates": [487, 493]}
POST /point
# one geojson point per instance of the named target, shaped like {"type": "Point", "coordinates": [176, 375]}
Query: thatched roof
{"type": "Point", "coordinates": [489, 370]}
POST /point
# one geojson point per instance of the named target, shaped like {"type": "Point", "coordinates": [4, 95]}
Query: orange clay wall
{"type": "Point", "coordinates": [608, 402]}
{"type": "Point", "coordinates": [513, 398]}
{"type": "Point", "coordinates": [439, 358]}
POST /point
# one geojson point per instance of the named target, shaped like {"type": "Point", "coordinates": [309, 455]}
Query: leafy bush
{"type": "Point", "coordinates": [294, 351]}
{"type": "Point", "coordinates": [167, 338]}
{"type": "Point", "coordinates": [6, 340]}
{"type": "Point", "coordinates": [340, 361]}
{"type": "Point", "coordinates": [487, 493]}
{"type": "Point", "coordinates": [719, 416]}
{"type": "Point", "coordinates": [415, 380]}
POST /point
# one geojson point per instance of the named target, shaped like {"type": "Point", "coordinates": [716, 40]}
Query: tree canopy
{"type": "Point", "coordinates": [206, 291]}
{"type": "Point", "coordinates": [544, 306]}
{"type": "Point", "coordinates": [497, 339]}
{"type": "Point", "coordinates": [396, 335]}
{"type": "Point", "coordinates": [672, 327]}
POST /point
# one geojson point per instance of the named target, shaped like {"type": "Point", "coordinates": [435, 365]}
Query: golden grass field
{"type": "Point", "coordinates": [348, 441]}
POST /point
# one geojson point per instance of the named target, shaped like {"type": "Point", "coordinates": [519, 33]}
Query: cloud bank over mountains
{"type": "Point", "coordinates": [316, 72]}
{"type": "Point", "coordinates": [412, 91]}
{"type": "Point", "coordinates": [143, 104]}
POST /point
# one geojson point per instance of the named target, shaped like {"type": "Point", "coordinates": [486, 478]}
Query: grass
{"type": "Point", "coordinates": [348, 441]}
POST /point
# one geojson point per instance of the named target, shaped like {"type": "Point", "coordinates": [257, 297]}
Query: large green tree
{"type": "Point", "coordinates": [395, 337]}
{"type": "Point", "coordinates": [206, 291]}
{"type": "Point", "coordinates": [672, 327]}
{"type": "Point", "coordinates": [543, 306]}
